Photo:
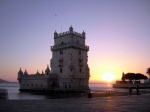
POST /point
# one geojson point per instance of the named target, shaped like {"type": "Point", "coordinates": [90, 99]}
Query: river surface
{"type": "Point", "coordinates": [13, 90]}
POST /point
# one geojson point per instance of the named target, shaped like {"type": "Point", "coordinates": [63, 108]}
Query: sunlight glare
{"type": "Point", "coordinates": [108, 77]}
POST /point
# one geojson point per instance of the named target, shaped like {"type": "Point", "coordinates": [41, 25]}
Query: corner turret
{"type": "Point", "coordinates": [37, 73]}
{"type": "Point", "coordinates": [20, 73]}
{"type": "Point", "coordinates": [42, 72]}
{"type": "Point", "coordinates": [83, 34]}
{"type": "Point", "coordinates": [25, 72]}
{"type": "Point", "coordinates": [47, 71]}
{"type": "Point", "coordinates": [55, 34]}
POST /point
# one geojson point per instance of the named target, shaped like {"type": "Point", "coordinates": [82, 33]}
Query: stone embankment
{"type": "Point", "coordinates": [3, 94]}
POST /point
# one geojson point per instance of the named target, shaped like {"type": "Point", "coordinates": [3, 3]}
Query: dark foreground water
{"type": "Point", "coordinates": [129, 103]}
{"type": "Point", "coordinates": [13, 90]}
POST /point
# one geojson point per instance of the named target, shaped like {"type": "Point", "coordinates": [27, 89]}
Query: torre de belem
{"type": "Point", "coordinates": [69, 68]}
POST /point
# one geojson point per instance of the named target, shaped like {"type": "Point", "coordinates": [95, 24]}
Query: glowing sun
{"type": "Point", "coordinates": [108, 77]}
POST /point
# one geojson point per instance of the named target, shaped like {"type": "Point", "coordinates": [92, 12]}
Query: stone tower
{"type": "Point", "coordinates": [69, 61]}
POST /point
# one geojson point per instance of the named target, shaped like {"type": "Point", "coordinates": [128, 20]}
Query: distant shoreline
{"type": "Point", "coordinates": [4, 81]}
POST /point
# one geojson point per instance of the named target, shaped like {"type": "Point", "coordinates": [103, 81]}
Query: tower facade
{"type": "Point", "coordinates": [69, 60]}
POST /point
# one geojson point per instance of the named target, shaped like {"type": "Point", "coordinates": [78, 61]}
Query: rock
{"type": "Point", "coordinates": [3, 94]}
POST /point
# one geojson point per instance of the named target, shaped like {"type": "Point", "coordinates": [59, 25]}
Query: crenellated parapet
{"type": "Point", "coordinates": [24, 75]}
{"type": "Point", "coordinates": [69, 44]}
{"type": "Point", "coordinates": [70, 32]}
{"type": "Point", "coordinates": [33, 76]}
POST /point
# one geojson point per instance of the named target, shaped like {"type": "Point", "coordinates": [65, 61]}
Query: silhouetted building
{"type": "Point", "coordinates": [69, 68]}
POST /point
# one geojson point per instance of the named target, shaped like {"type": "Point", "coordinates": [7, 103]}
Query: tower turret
{"type": "Point", "coordinates": [42, 72]}
{"type": "Point", "coordinates": [55, 34]}
{"type": "Point", "coordinates": [37, 73]}
{"type": "Point", "coordinates": [25, 72]}
{"type": "Point", "coordinates": [83, 34]}
{"type": "Point", "coordinates": [20, 73]}
{"type": "Point", "coordinates": [47, 71]}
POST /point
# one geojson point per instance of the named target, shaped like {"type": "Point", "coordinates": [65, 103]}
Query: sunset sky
{"type": "Point", "coordinates": [117, 31]}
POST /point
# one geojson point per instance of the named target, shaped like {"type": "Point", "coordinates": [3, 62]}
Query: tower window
{"type": "Point", "coordinates": [62, 43]}
{"type": "Point", "coordinates": [60, 61]}
{"type": "Point", "coordinates": [65, 86]}
{"type": "Point", "coordinates": [60, 70]}
{"type": "Point", "coordinates": [77, 42]}
{"type": "Point", "coordinates": [61, 52]}
{"type": "Point", "coordinates": [80, 70]}
{"type": "Point", "coordinates": [79, 52]}
{"type": "Point", "coordinates": [71, 69]}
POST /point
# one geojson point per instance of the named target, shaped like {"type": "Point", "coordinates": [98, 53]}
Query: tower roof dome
{"type": "Point", "coordinates": [47, 69]}
{"type": "Point", "coordinates": [83, 32]}
{"type": "Point", "coordinates": [37, 73]}
{"type": "Point", "coordinates": [20, 71]}
{"type": "Point", "coordinates": [55, 32]}
{"type": "Point", "coordinates": [71, 28]}
{"type": "Point", "coordinates": [25, 72]}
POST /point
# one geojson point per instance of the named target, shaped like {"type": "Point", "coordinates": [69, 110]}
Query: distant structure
{"type": "Point", "coordinates": [69, 68]}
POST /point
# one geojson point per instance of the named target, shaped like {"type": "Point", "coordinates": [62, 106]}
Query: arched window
{"type": "Point", "coordinates": [60, 70]}
{"type": "Point", "coordinates": [77, 42]}
{"type": "Point", "coordinates": [61, 52]}
{"type": "Point", "coordinates": [80, 70]}
{"type": "Point", "coordinates": [62, 43]}
{"type": "Point", "coordinates": [79, 52]}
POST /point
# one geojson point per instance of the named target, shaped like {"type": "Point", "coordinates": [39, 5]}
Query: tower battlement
{"type": "Point", "coordinates": [69, 33]}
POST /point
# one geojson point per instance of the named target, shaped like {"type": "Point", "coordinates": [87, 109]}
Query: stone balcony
{"type": "Point", "coordinates": [69, 44]}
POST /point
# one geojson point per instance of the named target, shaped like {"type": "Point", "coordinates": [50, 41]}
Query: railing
{"type": "Point", "coordinates": [70, 44]}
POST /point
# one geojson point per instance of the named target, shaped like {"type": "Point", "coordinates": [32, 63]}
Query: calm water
{"type": "Point", "coordinates": [13, 90]}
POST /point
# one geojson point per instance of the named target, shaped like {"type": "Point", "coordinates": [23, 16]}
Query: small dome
{"type": "Point", "coordinates": [37, 72]}
{"type": "Point", "coordinates": [70, 29]}
{"type": "Point", "coordinates": [47, 69]}
{"type": "Point", "coordinates": [55, 34]}
{"type": "Point", "coordinates": [83, 32]}
{"type": "Point", "coordinates": [42, 72]}
{"type": "Point", "coordinates": [55, 31]}
{"type": "Point", "coordinates": [20, 71]}
{"type": "Point", "coordinates": [25, 73]}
